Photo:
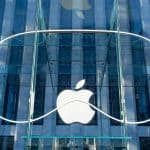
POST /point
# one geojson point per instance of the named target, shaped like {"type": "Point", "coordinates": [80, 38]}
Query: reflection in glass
{"type": "Point", "coordinates": [15, 58]}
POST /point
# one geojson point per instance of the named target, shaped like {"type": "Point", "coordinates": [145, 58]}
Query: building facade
{"type": "Point", "coordinates": [35, 67]}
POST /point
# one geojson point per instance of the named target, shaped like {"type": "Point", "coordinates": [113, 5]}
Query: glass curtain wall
{"type": "Point", "coordinates": [42, 60]}
{"type": "Point", "coordinates": [89, 56]}
{"type": "Point", "coordinates": [41, 55]}
{"type": "Point", "coordinates": [13, 80]}
{"type": "Point", "coordinates": [2, 8]}
{"type": "Point", "coordinates": [114, 100]}
{"type": "Point", "coordinates": [89, 67]}
{"type": "Point", "coordinates": [139, 65]}
{"type": "Point", "coordinates": [115, 74]}
{"type": "Point", "coordinates": [64, 54]}
{"type": "Point", "coordinates": [6, 142]}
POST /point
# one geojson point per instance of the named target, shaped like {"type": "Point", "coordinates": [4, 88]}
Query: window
{"type": "Point", "coordinates": [38, 143]}
{"type": "Point", "coordinates": [119, 148]}
{"type": "Point", "coordinates": [15, 59]}
{"type": "Point", "coordinates": [144, 143]}
{"type": "Point", "coordinates": [64, 55]}
{"type": "Point", "coordinates": [140, 81]}
{"type": "Point", "coordinates": [64, 67]}
{"type": "Point", "coordinates": [46, 11]}
{"type": "Point", "coordinates": [89, 57]}
{"type": "Point", "coordinates": [40, 81]}
{"type": "Point", "coordinates": [11, 98]}
{"type": "Point", "coordinates": [41, 65]}
{"type": "Point", "coordinates": [109, 7]}
{"type": "Point", "coordinates": [139, 65]}
{"type": "Point", "coordinates": [2, 7]}
{"type": "Point", "coordinates": [114, 100]}
{"type": "Point", "coordinates": [6, 142]}
{"type": "Point", "coordinates": [68, 144]}
{"type": "Point", "coordinates": [64, 144]}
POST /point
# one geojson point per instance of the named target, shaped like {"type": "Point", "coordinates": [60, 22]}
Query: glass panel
{"type": "Point", "coordinates": [100, 60]}
{"type": "Point", "coordinates": [2, 8]}
{"type": "Point", "coordinates": [113, 82]}
{"type": "Point", "coordinates": [144, 143]}
{"type": "Point", "coordinates": [15, 59]}
{"type": "Point", "coordinates": [6, 142]}
{"type": "Point", "coordinates": [139, 65]}
{"type": "Point", "coordinates": [64, 67]}
{"type": "Point", "coordinates": [75, 143]}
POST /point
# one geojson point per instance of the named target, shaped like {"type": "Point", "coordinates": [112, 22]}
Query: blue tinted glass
{"type": "Point", "coordinates": [113, 83]}
{"type": "Point", "coordinates": [41, 64]}
{"type": "Point", "coordinates": [20, 16]}
{"type": "Point", "coordinates": [89, 69]}
{"type": "Point", "coordinates": [46, 11]}
{"type": "Point", "coordinates": [6, 142]}
{"type": "Point", "coordinates": [12, 85]}
{"type": "Point", "coordinates": [139, 65]}
{"type": "Point", "coordinates": [64, 56]}
{"type": "Point", "coordinates": [89, 19]}
{"type": "Point", "coordinates": [144, 143]}
{"type": "Point", "coordinates": [114, 101]}
{"type": "Point", "coordinates": [109, 4]}
{"type": "Point", "coordinates": [89, 60]}
{"type": "Point", "coordinates": [11, 98]}
{"type": "Point", "coordinates": [66, 18]}
{"type": "Point", "coordinates": [89, 56]}
{"type": "Point", "coordinates": [135, 16]}
{"type": "Point", "coordinates": [140, 82]}
{"type": "Point", "coordinates": [40, 85]}
{"type": "Point", "coordinates": [2, 7]}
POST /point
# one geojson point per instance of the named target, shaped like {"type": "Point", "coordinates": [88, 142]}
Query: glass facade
{"type": "Point", "coordinates": [36, 67]}
{"type": "Point", "coordinates": [6, 142]}
{"type": "Point", "coordinates": [139, 66]}
{"type": "Point", "coordinates": [144, 143]}
{"type": "Point", "coordinates": [2, 7]}
{"type": "Point", "coordinates": [13, 81]}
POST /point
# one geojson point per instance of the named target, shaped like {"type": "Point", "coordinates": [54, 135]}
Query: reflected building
{"type": "Point", "coordinates": [35, 68]}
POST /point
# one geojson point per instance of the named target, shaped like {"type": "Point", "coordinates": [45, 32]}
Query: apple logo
{"type": "Point", "coordinates": [75, 111]}
{"type": "Point", "coordinates": [78, 5]}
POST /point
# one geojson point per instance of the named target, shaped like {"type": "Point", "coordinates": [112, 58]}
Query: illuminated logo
{"type": "Point", "coordinates": [75, 111]}
{"type": "Point", "coordinates": [78, 5]}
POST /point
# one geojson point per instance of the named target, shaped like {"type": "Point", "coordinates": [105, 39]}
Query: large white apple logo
{"type": "Point", "coordinates": [78, 5]}
{"type": "Point", "coordinates": [75, 111]}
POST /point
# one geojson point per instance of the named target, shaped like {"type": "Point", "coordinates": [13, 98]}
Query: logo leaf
{"type": "Point", "coordinates": [80, 84]}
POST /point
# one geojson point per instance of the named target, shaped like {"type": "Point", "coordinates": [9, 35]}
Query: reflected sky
{"type": "Point", "coordinates": [79, 6]}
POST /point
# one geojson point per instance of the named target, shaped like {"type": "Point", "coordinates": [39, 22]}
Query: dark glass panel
{"type": "Point", "coordinates": [144, 143]}
{"type": "Point", "coordinates": [40, 82]}
{"type": "Point", "coordinates": [139, 64]}
{"type": "Point", "coordinates": [16, 52]}
{"type": "Point", "coordinates": [64, 55]}
{"type": "Point", "coordinates": [89, 56]}
{"type": "Point", "coordinates": [109, 4]}
{"type": "Point", "coordinates": [2, 7]}
{"type": "Point", "coordinates": [113, 84]}
{"type": "Point", "coordinates": [46, 11]}
{"type": "Point", "coordinates": [6, 142]}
